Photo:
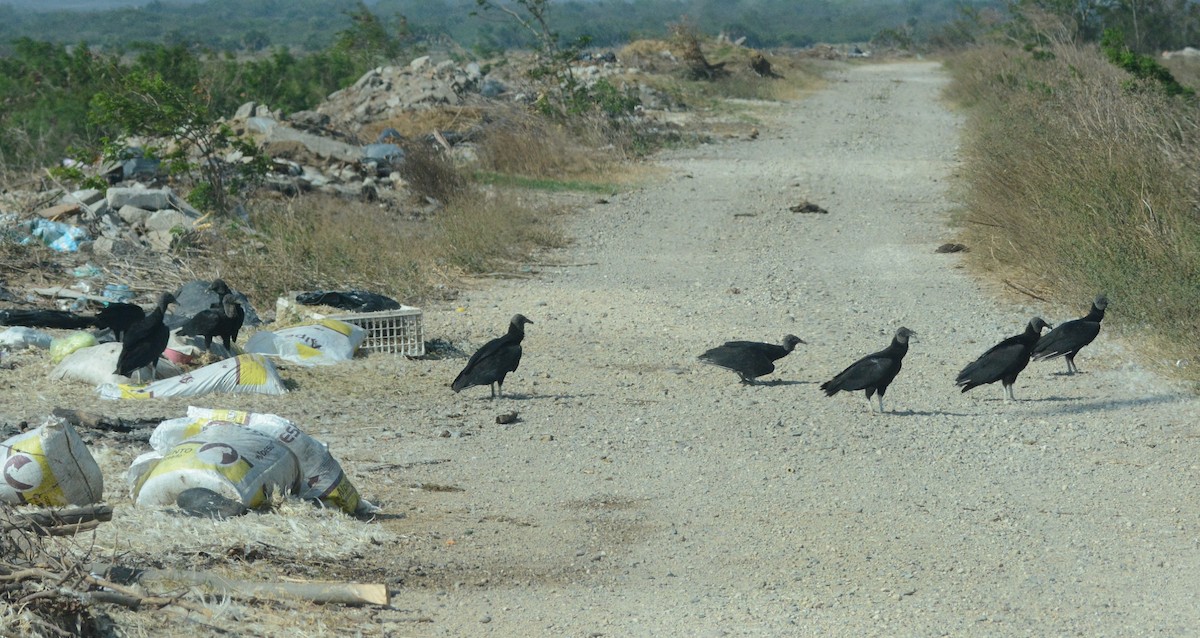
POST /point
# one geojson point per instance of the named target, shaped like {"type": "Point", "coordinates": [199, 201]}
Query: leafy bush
{"type": "Point", "coordinates": [1142, 67]}
{"type": "Point", "coordinates": [146, 105]}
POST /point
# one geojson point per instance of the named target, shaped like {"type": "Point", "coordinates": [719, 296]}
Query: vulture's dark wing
{"type": "Point", "coordinates": [864, 373]}
{"type": "Point", "coordinates": [994, 364]}
{"type": "Point", "coordinates": [1068, 337]}
{"type": "Point", "coordinates": [489, 364]}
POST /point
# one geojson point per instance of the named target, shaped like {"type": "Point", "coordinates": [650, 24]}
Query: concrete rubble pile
{"type": "Point", "coordinates": [318, 150]}
{"type": "Point", "coordinates": [118, 221]}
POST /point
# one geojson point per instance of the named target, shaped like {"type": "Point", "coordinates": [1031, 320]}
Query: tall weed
{"type": "Point", "coordinates": [1079, 183]}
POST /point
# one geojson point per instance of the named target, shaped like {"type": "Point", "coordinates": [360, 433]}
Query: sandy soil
{"type": "Point", "coordinates": [643, 494]}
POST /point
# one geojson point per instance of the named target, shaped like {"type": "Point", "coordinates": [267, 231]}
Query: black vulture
{"type": "Point", "coordinates": [1071, 336]}
{"type": "Point", "coordinates": [224, 322]}
{"type": "Point", "coordinates": [874, 372]}
{"type": "Point", "coordinates": [494, 360]}
{"type": "Point", "coordinates": [221, 288]}
{"type": "Point", "coordinates": [750, 359]}
{"type": "Point", "coordinates": [62, 319]}
{"type": "Point", "coordinates": [145, 340]}
{"type": "Point", "coordinates": [118, 317]}
{"type": "Point", "coordinates": [1003, 361]}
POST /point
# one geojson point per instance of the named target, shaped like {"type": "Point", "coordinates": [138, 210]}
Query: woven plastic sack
{"type": "Point", "coordinates": [323, 477]}
{"type": "Point", "coordinates": [49, 466]}
{"type": "Point", "coordinates": [244, 374]}
{"type": "Point", "coordinates": [95, 366]}
{"type": "Point", "coordinates": [235, 462]}
{"type": "Point", "coordinates": [325, 342]}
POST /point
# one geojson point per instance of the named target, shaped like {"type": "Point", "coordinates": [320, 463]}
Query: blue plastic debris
{"type": "Point", "coordinates": [61, 237]}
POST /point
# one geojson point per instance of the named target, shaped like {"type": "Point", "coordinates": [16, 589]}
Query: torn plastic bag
{"type": "Point", "coordinates": [352, 300]}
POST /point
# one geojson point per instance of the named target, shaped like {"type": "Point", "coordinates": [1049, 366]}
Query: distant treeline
{"type": "Point", "coordinates": [237, 25]}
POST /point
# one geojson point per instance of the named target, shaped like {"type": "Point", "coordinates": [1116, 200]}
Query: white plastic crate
{"type": "Point", "coordinates": [392, 331]}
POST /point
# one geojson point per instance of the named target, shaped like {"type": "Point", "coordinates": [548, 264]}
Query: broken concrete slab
{"type": "Point", "coordinates": [60, 211]}
{"type": "Point", "coordinates": [132, 215]}
{"type": "Point", "coordinates": [144, 198]}
{"type": "Point", "coordinates": [168, 220]}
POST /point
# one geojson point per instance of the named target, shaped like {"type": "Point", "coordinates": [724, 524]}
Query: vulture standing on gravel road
{"type": "Point", "coordinates": [1071, 336]}
{"type": "Point", "coordinates": [145, 340]}
{"type": "Point", "coordinates": [1003, 361]}
{"type": "Point", "coordinates": [494, 360]}
{"type": "Point", "coordinates": [874, 372]}
{"type": "Point", "coordinates": [750, 359]}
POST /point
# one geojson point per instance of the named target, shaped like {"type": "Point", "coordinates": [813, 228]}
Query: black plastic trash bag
{"type": "Point", "coordinates": [351, 300]}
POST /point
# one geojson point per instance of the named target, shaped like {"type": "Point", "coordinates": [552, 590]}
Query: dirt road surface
{"type": "Point", "coordinates": [641, 493]}
{"type": "Point", "coordinates": [644, 494]}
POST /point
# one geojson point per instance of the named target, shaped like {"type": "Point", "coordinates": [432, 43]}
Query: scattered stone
{"type": "Point", "coordinates": [808, 207]}
{"type": "Point", "coordinates": [59, 211]}
{"type": "Point", "coordinates": [506, 418]}
{"type": "Point", "coordinates": [168, 220]}
{"type": "Point", "coordinates": [132, 215]}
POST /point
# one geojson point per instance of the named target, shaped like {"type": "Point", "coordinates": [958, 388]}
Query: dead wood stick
{"type": "Point", "coordinates": [319, 592]}
{"type": "Point", "coordinates": [56, 517]}
{"type": "Point", "coordinates": [1023, 290]}
{"type": "Point", "coordinates": [69, 529]}
{"type": "Point", "coordinates": [156, 601]}
{"type": "Point", "coordinates": [66, 293]}
{"type": "Point", "coordinates": [441, 139]}
{"type": "Point", "coordinates": [81, 419]}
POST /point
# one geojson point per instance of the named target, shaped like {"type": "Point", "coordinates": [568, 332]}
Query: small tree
{"type": "Point", "coordinates": [565, 94]}
{"type": "Point", "coordinates": [367, 40]}
{"type": "Point", "coordinates": [146, 105]}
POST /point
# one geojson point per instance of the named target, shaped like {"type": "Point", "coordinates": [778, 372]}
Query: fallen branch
{"type": "Point", "coordinates": [90, 420]}
{"type": "Point", "coordinates": [1023, 290]}
{"type": "Point", "coordinates": [53, 517]}
{"type": "Point", "coordinates": [318, 592]}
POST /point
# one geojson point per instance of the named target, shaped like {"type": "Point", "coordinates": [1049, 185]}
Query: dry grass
{"type": "Point", "coordinates": [419, 123]}
{"type": "Point", "coordinates": [485, 230]}
{"type": "Point", "coordinates": [431, 173]}
{"type": "Point", "coordinates": [1083, 185]}
{"type": "Point", "coordinates": [326, 243]}
{"type": "Point", "coordinates": [320, 242]}
{"type": "Point", "coordinates": [519, 142]}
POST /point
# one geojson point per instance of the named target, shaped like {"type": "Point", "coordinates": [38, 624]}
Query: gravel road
{"type": "Point", "coordinates": [641, 493]}
{"type": "Point", "coordinates": [645, 494]}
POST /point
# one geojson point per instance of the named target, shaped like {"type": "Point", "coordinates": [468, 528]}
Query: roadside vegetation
{"type": "Point", "coordinates": [1080, 177]}
{"type": "Point", "coordinates": [482, 214]}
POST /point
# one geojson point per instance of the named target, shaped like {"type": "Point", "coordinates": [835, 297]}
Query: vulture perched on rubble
{"type": "Point", "coordinates": [1071, 336]}
{"type": "Point", "coordinates": [118, 317]}
{"type": "Point", "coordinates": [224, 322]}
{"type": "Point", "coordinates": [494, 360]}
{"type": "Point", "coordinates": [222, 290]}
{"type": "Point", "coordinates": [750, 359]}
{"type": "Point", "coordinates": [1003, 361]}
{"type": "Point", "coordinates": [874, 372]}
{"type": "Point", "coordinates": [145, 340]}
